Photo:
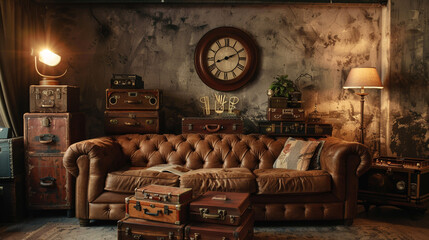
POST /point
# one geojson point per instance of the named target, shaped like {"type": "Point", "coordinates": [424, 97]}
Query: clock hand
{"type": "Point", "coordinates": [226, 57]}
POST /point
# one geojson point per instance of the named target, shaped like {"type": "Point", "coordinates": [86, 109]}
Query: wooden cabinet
{"type": "Point", "coordinates": [46, 138]}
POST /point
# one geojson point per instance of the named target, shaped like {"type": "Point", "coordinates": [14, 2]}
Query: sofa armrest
{"type": "Point", "coordinates": [345, 161]}
{"type": "Point", "coordinates": [90, 161]}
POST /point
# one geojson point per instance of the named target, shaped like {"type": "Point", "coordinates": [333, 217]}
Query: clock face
{"type": "Point", "coordinates": [226, 58]}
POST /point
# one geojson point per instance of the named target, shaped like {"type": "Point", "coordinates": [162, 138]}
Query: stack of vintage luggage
{"type": "Point", "coordinates": [130, 108]}
{"type": "Point", "coordinates": [287, 117]}
{"type": "Point", "coordinates": [54, 123]}
{"type": "Point", "coordinates": [162, 212]}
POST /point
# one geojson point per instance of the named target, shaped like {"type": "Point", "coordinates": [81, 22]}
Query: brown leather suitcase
{"type": "Point", "coordinates": [120, 122]}
{"type": "Point", "coordinates": [211, 231]}
{"type": "Point", "coordinates": [153, 211]}
{"type": "Point", "coordinates": [133, 99]}
{"type": "Point", "coordinates": [134, 228]}
{"type": "Point", "coordinates": [167, 194]}
{"type": "Point", "coordinates": [54, 98]}
{"type": "Point", "coordinates": [228, 208]}
{"type": "Point", "coordinates": [52, 132]}
{"type": "Point", "coordinates": [285, 114]}
{"type": "Point", "coordinates": [212, 125]}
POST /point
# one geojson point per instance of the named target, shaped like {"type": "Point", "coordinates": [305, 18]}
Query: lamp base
{"type": "Point", "coordinates": [48, 82]}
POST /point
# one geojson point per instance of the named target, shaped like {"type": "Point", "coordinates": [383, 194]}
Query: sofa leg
{"type": "Point", "coordinates": [348, 222]}
{"type": "Point", "coordinates": [84, 222]}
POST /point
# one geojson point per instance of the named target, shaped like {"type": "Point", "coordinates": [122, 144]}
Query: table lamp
{"type": "Point", "coordinates": [363, 78]}
{"type": "Point", "coordinates": [50, 59]}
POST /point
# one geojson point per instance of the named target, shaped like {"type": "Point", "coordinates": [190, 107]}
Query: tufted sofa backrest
{"type": "Point", "coordinates": [196, 151]}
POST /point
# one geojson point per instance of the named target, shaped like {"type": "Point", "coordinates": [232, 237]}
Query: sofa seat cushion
{"type": "Point", "coordinates": [125, 181]}
{"type": "Point", "coordinates": [280, 181]}
{"type": "Point", "coordinates": [219, 179]}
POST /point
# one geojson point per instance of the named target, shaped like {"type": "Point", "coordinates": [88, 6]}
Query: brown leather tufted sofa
{"type": "Point", "coordinates": [108, 169]}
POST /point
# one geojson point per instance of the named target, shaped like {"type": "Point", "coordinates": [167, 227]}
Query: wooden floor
{"type": "Point", "coordinates": [398, 220]}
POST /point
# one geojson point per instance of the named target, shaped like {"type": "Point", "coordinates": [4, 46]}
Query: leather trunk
{"type": "Point", "coordinates": [122, 122]}
{"type": "Point", "coordinates": [54, 98]}
{"type": "Point", "coordinates": [52, 132]}
{"type": "Point", "coordinates": [229, 208]}
{"type": "Point", "coordinates": [133, 99]}
{"type": "Point", "coordinates": [11, 157]}
{"type": "Point", "coordinates": [212, 125]}
{"type": "Point", "coordinates": [285, 114]}
{"type": "Point", "coordinates": [164, 194]}
{"type": "Point", "coordinates": [12, 199]}
{"type": "Point", "coordinates": [211, 231]}
{"type": "Point", "coordinates": [153, 211]}
{"type": "Point", "coordinates": [49, 185]}
{"type": "Point", "coordinates": [134, 228]}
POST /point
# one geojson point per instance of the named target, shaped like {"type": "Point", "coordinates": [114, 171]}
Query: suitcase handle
{"type": "Point", "coordinates": [131, 123]}
{"type": "Point", "coordinates": [47, 181]}
{"type": "Point", "coordinates": [46, 138]}
{"type": "Point", "coordinates": [146, 211]}
{"type": "Point", "coordinates": [212, 127]}
{"type": "Point", "coordinates": [133, 101]}
{"type": "Point", "coordinates": [48, 105]}
{"type": "Point", "coordinates": [204, 212]}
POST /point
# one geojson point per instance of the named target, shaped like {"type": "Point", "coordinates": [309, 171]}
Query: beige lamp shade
{"type": "Point", "coordinates": [363, 78]}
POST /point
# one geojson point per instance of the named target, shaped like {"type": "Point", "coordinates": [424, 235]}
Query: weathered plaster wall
{"type": "Point", "coordinates": [158, 42]}
{"type": "Point", "coordinates": [406, 103]}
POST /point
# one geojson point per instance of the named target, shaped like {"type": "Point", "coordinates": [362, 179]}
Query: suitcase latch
{"type": "Point", "coordinates": [58, 93]}
{"type": "Point", "coordinates": [204, 212]}
{"type": "Point", "coordinates": [46, 122]}
{"type": "Point", "coordinates": [195, 237]}
{"type": "Point", "coordinates": [37, 94]}
{"type": "Point", "coordinates": [189, 127]}
{"type": "Point", "coordinates": [234, 127]}
{"type": "Point", "coordinates": [166, 210]}
{"type": "Point", "coordinates": [138, 207]}
{"type": "Point", "coordinates": [232, 219]}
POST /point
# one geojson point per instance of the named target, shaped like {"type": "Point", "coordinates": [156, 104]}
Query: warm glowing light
{"type": "Point", "coordinates": [49, 58]}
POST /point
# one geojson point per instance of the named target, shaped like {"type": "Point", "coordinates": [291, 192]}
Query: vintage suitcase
{"type": "Point", "coordinates": [12, 200]}
{"type": "Point", "coordinates": [167, 194]}
{"type": "Point", "coordinates": [52, 132]}
{"type": "Point", "coordinates": [5, 133]}
{"type": "Point", "coordinates": [319, 129]}
{"type": "Point", "coordinates": [396, 181]}
{"type": "Point", "coordinates": [212, 231]}
{"type": "Point", "coordinates": [11, 157]}
{"type": "Point", "coordinates": [294, 101]}
{"type": "Point", "coordinates": [285, 114]}
{"type": "Point", "coordinates": [54, 98]}
{"type": "Point", "coordinates": [127, 81]}
{"type": "Point", "coordinates": [120, 122]}
{"type": "Point", "coordinates": [133, 99]}
{"type": "Point", "coordinates": [212, 125]}
{"type": "Point", "coordinates": [228, 208]}
{"type": "Point", "coordinates": [154, 211]}
{"type": "Point", "coordinates": [134, 228]}
{"type": "Point", "coordinates": [49, 185]}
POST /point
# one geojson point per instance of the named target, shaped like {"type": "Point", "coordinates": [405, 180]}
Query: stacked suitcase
{"type": "Point", "coordinates": [157, 212]}
{"type": "Point", "coordinates": [130, 108]}
{"type": "Point", "coordinates": [52, 125]}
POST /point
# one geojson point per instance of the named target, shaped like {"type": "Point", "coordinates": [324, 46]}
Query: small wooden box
{"type": "Point", "coordinates": [134, 228]}
{"type": "Point", "coordinates": [54, 98]}
{"type": "Point", "coordinates": [167, 194]}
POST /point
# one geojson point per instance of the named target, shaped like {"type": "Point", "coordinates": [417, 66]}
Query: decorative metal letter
{"type": "Point", "coordinates": [205, 100]}
{"type": "Point", "coordinates": [219, 103]}
{"type": "Point", "coordinates": [232, 102]}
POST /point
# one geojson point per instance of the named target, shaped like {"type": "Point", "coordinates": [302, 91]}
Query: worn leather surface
{"type": "Point", "coordinates": [278, 181]}
{"type": "Point", "coordinates": [125, 181]}
{"type": "Point", "coordinates": [91, 161]}
{"type": "Point", "coordinates": [219, 179]}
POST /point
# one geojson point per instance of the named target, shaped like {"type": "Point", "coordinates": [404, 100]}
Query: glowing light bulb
{"type": "Point", "coordinates": [49, 58]}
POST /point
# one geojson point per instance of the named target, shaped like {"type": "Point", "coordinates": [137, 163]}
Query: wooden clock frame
{"type": "Point", "coordinates": [202, 67]}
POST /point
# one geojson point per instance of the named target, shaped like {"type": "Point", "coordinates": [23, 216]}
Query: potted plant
{"type": "Point", "coordinates": [282, 91]}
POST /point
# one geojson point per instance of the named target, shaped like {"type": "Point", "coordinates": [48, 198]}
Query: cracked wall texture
{"type": "Point", "coordinates": [157, 42]}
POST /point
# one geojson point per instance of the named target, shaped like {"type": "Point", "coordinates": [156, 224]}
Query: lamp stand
{"type": "Point", "coordinates": [362, 95]}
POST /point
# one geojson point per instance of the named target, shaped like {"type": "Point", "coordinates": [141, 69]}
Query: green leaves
{"type": "Point", "coordinates": [282, 86]}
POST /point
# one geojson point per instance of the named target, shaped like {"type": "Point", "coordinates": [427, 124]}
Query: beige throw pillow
{"type": "Point", "coordinates": [296, 154]}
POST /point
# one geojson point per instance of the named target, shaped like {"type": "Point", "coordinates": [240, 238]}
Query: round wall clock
{"type": "Point", "coordinates": [226, 58]}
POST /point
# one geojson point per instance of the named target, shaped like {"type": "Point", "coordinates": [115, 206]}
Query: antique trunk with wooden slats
{"type": "Point", "coordinates": [46, 137]}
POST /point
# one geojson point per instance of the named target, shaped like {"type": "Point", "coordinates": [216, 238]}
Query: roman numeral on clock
{"type": "Point", "coordinates": [218, 44]}
{"type": "Point", "coordinates": [241, 67]}
{"type": "Point", "coordinates": [212, 67]}
{"type": "Point", "coordinates": [217, 74]}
